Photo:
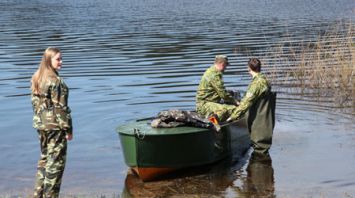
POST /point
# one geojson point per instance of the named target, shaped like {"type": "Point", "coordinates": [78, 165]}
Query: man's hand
{"type": "Point", "coordinates": [237, 103]}
{"type": "Point", "coordinates": [69, 136]}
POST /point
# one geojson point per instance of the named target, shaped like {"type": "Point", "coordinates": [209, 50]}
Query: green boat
{"type": "Point", "coordinates": [152, 152]}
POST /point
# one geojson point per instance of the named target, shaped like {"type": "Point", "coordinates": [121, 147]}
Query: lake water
{"type": "Point", "coordinates": [129, 59]}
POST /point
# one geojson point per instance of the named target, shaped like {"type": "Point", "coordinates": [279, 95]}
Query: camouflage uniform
{"type": "Point", "coordinates": [258, 105]}
{"type": "Point", "coordinates": [212, 97]}
{"type": "Point", "coordinates": [176, 118]}
{"type": "Point", "coordinates": [53, 121]}
{"type": "Point", "coordinates": [258, 87]}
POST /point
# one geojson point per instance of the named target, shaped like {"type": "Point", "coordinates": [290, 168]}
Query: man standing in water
{"type": "Point", "coordinates": [212, 97]}
{"type": "Point", "coordinates": [259, 102]}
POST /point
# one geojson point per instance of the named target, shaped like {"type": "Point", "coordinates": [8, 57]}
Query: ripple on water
{"type": "Point", "coordinates": [129, 59]}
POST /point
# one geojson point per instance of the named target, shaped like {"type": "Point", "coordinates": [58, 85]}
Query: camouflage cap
{"type": "Point", "coordinates": [221, 58]}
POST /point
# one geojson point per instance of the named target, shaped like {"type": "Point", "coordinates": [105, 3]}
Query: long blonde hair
{"type": "Point", "coordinates": [44, 71]}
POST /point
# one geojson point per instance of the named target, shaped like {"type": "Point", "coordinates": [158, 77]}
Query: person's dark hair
{"type": "Point", "coordinates": [254, 64]}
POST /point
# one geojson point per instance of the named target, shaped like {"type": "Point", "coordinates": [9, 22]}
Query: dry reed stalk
{"type": "Point", "coordinates": [325, 67]}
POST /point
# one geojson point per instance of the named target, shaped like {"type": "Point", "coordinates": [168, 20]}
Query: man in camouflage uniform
{"type": "Point", "coordinates": [259, 106]}
{"type": "Point", "coordinates": [258, 87]}
{"type": "Point", "coordinates": [53, 122]}
{"type": "Point", "coordinates": [212, 98]}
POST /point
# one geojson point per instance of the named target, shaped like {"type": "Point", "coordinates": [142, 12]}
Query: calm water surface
{"type": "Point", "coordinates": [129, 59]}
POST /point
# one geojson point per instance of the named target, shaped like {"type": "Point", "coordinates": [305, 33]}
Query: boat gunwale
{"type": "Point", "coordinates": [168, 131]}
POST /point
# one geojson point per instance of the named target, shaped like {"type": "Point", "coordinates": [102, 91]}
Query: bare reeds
{"type": "Point", "coordinates": [324, 67]}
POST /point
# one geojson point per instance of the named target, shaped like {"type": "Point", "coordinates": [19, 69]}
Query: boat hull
{"type": "Point", "coordinates": [153, 152]}
{"type": "Point", "coordinates": [150, 173]}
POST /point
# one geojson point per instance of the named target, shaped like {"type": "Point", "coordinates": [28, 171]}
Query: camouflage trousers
{"type": "Point", "coordinates": [51, 163]}
{"type": "Point", "coordinates": [223, 111]}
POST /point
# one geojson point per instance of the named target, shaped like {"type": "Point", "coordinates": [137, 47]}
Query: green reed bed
{"type": "Point", "coordinates": [324, 67]}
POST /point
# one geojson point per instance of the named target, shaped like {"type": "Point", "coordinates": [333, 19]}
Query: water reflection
{"type": "Point", "coordinates": [225, 179]}
{"type": "Point", "coordinates": [259, 181]}
{"type": "Point", "coordinates": [129, 59]}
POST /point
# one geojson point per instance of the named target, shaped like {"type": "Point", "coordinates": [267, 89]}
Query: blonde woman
{"type": "Point", "coordinates": [53, 122]}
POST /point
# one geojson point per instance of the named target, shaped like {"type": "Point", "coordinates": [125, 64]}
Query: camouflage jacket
{"type": "Point", "coordinates": [174, 118]}
{"type": "Point", "coordinates": [51, 111]}
{"type": "Point", "coordinates": [212, 88]}
{"type": "Point", "coordinates": [258, 87]}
